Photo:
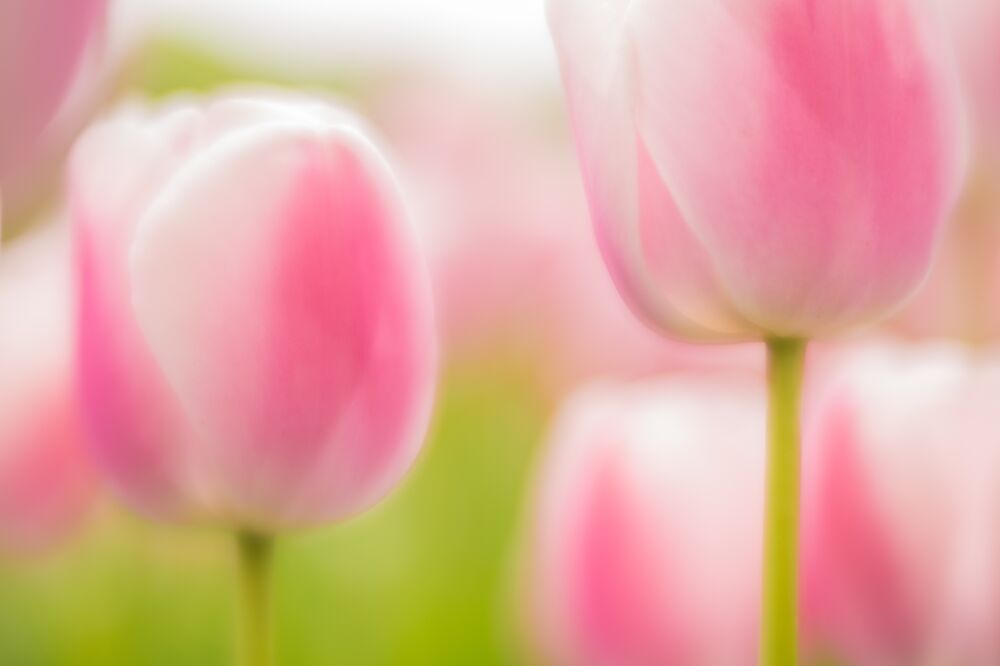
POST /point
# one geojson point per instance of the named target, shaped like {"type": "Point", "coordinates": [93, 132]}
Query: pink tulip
{"type": "Point", "coordinates": [256, 340]}
{"type": "Point", "coordinates": [41, 45]}
{"type": "Point", "coordinates": [647, 532]}
{"type": "Point", "coordinates": [902, 563]}
{"type": "Point", "coordinates": [761, 167]}
{"type": "Point", "coordinates": [46, 484]}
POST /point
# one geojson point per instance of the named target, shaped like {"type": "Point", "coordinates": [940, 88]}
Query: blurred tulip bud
{"type": "Point", "coordinates": [41, 45]}
{"type": "Point", "coordinates": [46, 484]}
{"type": "Point", "coordinates": [901, 566]}
{"type": "Point", "coordinates": [753, 169]}
{"type": "Point", "coordinates": [256, 336]}
{"type": "Point", "coordinates": [647, 530]}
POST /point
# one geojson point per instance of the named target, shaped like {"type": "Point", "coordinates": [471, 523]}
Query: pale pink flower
{"type": "Point", "coordinates": [256, 340]}
{"type": "Point", "coordinates": [901, 563]}
{"type": "Point", "coordinates": [646, 534]}
{"type": "Point", "coordinates": [762, 167]}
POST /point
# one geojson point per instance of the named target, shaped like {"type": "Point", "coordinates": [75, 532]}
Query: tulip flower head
{"type": "Point", "coordinates": [256, 341]}
{"type": "Point", "coordinates": [762, 168]}
{"type": "Point", "coordinates": [648, 526]}
{"type": "Point", "coordinates": [900, 566]}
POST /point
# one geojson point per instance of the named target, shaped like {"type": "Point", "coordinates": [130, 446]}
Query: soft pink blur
{"type": "Point", "coordinates": [647, 519]}
{"type": "Point", "coordinates": [900, 566]}
{"type": "Point", "coordinates": [960, 298]}
{"type": "Point", "coordinates": [754, 170]}
{"type": "Point", "coordinates": [41, 45]}
{"type": "Point", "coordinates": [46, 484]}
{"type": "Point", "coordinates": [511, 249]}
{"type": "Point", "coordinates": [256, 339]}
{"type": "Point", "coordinates": [647, 526]}
{"type": "Point", "coordinates": [975, 31]}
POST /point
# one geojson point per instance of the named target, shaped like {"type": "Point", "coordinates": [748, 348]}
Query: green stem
{"type": "Point", "coordinates": [255, 626]}
{"type": "Point", "coordinates": [779, 619]}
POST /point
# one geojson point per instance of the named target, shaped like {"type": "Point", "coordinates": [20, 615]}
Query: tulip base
{"type": "Point", "coordinates": [779, 617]}
{"type": "Point", "coordinates": [254, 552]}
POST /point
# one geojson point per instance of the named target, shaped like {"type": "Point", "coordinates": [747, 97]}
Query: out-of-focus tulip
{"type": "Point", "coordinates": [647, 533]}
{"type": "Point", "coordinates": [753, 168]}
{"type": "Point", "coordinates": [46, 484]}
{"type": "Point", "coordinates": [41, 45]}
{"type": "Point", "coordinates": [256, 340]}
{"type": "Point", "coordinates": [902, 559]}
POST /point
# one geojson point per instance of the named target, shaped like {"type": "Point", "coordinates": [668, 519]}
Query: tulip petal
{"type": "Point", "coordinates": [134, 423]}
{"type": "Point", "coordinates": [657, 263]}
{"type": "Point", "coordinates": [814, 148]}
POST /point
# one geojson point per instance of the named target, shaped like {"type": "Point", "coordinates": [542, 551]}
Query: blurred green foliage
{"type": "Point", "coordinates": [168, 66]}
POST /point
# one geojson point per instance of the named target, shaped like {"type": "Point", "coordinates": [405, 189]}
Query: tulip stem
{"type": "Point", "coordinates": [779, 618]}
{"type": "Point", "coordinates": [254, 568]}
